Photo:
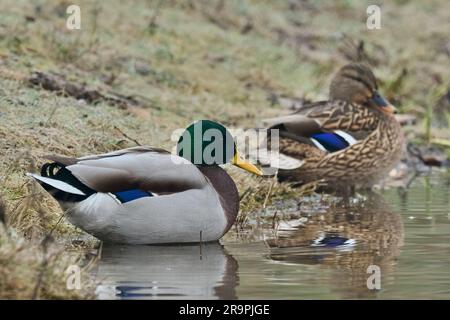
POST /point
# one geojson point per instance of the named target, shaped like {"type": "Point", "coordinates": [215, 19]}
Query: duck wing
{"type": "Point", "coordinates": [140, 168]}
{"type": "Point", "coordinates": [328, 125]}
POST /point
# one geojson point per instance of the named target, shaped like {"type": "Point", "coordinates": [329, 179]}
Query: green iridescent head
{"type": "Point", "coordinates": [208, 143]}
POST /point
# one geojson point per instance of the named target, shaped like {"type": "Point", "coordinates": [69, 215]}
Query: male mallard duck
{"type": "Point", "coordinates": [351, 140]}
{"type": "Point", "coordinates": [146, 195]}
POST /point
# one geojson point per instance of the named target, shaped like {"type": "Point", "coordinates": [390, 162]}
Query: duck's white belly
{"type": "Point", "coordinates": [190, 216]}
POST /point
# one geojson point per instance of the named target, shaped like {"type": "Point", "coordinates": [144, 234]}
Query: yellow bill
{"type": "Point", "coordinates": [243, 164]}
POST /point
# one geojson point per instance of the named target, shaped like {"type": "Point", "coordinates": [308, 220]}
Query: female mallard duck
{"type": "Point", "coordinates": [146, 195]}
{"type": "Point", "coordinates": [351, 140]}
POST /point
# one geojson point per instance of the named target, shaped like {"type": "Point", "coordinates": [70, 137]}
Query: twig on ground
{"type": "Point", "coordinates": [2, 211]}
{"type": "Point", "coordinates": [245, 193]}
{"type": "Point", "coordinates": [274, 179]}
{"type": "Point", "coordinates": [127, 136]}
{"type": "Point", "coordinates": [152, 24]}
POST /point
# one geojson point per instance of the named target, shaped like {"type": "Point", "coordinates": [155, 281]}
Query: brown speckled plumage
{"type": "Point", "coordinates": [379, 138]}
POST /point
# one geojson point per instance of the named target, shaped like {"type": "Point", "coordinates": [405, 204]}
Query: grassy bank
{"type": "Point", "coordinates": [147, 68]}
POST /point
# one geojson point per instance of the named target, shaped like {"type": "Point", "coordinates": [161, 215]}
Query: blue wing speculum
{"type": "Point", "coordinates": [332, 141]}
{"type": "Point", "coordinates": [130, 195]}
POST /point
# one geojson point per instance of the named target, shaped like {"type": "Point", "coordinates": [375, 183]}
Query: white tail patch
{"type": "Point", "coordinates": [58, 184]}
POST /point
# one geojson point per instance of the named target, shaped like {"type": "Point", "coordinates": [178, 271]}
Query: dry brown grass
{"type": "Point", "coordinates": [32, 264]}
{"type": "Point", "coordinates": [27, 272]}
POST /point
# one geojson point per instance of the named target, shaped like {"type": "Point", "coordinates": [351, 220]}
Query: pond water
{"type": "Point", "coordinates": [304, 252]}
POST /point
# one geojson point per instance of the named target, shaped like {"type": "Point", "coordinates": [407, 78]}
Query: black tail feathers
{"type": "Point", "coordinates": [59, 172]}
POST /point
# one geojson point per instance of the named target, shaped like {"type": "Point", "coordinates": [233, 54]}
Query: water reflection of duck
{"type": "Point", "coordinates": [346, 239]}
{"type": "Point", "coordinates": [167, 272]}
